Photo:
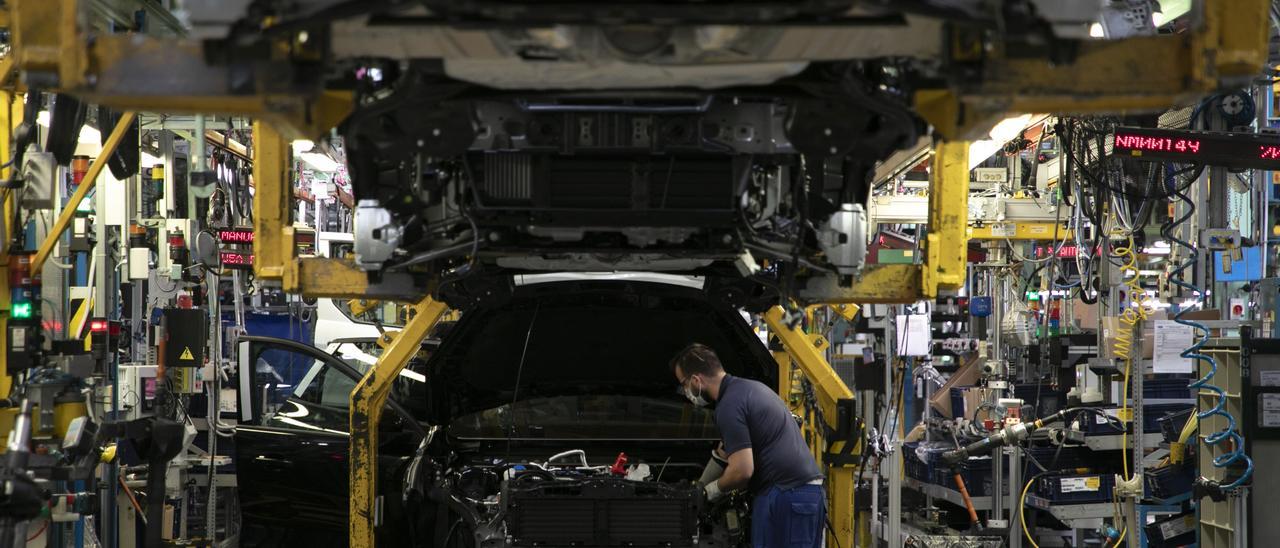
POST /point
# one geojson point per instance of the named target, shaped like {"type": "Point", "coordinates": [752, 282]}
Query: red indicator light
{"type": "Point", "coordinates": [1269, 152]}
{"type": "Point", "coordinates": [99, 326]}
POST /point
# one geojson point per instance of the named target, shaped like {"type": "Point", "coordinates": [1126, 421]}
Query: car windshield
{"type": "Point", "coordinates": [595, 416]}
{"type": "Point", "coordinates": [324, 386]}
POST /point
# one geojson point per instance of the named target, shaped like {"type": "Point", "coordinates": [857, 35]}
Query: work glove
{"type": "Point", "coordinates": [713, 470]}
{"type": "Point", "coordinates": [712, 491]}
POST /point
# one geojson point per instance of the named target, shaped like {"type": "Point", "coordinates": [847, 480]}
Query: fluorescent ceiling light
{"type": "Point", "coordinates": [319, 161]}
{"type": "Point", "coordinates": [88, 135]}
{"type": "Point", "coordinates": [302, 145]}
{"type": "Point", "coordinates": [1010, 127]}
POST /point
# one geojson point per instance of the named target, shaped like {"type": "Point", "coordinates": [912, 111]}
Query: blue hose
{"type": "Point", "coordinates": [1236, 454]}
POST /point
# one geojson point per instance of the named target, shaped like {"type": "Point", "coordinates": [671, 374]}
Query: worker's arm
{"type": "Point", "coordinates": [741, 465]}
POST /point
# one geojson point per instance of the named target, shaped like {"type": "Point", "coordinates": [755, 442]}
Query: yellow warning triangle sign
{"type": "Point", "coordinates": [186, 354]}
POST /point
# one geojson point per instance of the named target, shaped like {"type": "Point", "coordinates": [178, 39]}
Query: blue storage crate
{"type": "Point", "coordinates": [1172, 423]}
{"type": "Point", "coordinates": [1173, 531]}
{"type": "Point", "coordinates": [1169, 481]}
{"type": "Point", "coordinates": [1043, 398]}
{"type": "Point", "coordinates": [1167, 388]}
{"type": "Point", "coordinates": [957, 402]}
{"type": "Point", "coordinates": [1069, 457]}
{"type": "Point", "coordinates": [1151, 414]}
{"type": "Point", "coordinates": [1093, 423]}
{"type": "Point", "coordinates": [1071, 488]}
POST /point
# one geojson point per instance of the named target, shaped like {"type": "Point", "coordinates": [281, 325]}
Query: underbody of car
{"type": "Point", "coordinates": [659, 180]}
{"type": "Point", "coordinates": [734, 138]}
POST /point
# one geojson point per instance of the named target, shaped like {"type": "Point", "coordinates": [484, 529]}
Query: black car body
{"type": "Point", "coordinates": [528, 404]}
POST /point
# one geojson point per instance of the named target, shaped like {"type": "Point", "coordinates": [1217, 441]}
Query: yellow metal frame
{"type": "Point", "coordinates": [367, 401]}
{"type": "Point", "coordinates": [946, 246]}
{"type": "Point", "coordinates": [275, 255]}
{"type": "Point", "coordinates": [1139, 74]}
{"type": "Point", "coordinates": [1022, 231]}
{"type": "Point", "coordinates": [805, 351]}
{"type": "Point", "coordinates": [88, 183]}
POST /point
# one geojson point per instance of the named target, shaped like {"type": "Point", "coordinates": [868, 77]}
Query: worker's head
{"type": "Point", "coordinates": [698, 370]}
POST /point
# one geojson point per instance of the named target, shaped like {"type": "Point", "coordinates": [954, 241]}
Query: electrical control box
{"type": "Point", "coordinates": [185, 332]}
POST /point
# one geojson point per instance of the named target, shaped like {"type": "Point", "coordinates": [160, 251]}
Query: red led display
{"type": "Point", "coordinates": [235, 235]}
{"type": "Point", "coordinates": [1164, 144]}
{"type": "Point", "coordinates": [236, 259]}
{"type": "Point", "coordinates": [1210, 148]}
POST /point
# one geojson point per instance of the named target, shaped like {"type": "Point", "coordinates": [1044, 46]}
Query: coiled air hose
{"type": "Point", "coordinates": [1230, 433]}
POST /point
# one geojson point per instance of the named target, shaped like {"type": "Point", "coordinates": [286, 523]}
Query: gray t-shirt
{"type": "Point", "coordinates": [750, 414]}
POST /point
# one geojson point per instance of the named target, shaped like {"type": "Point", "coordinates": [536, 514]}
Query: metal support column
{"type": "Point", "coordinates": [367, 400]}
{"type": "Point", "coordinates": [893, 468]}
{"type": "Point", "coordinates": [946, 246]}
{"type": "Point", "coordinates": [997, 480]}
{"type": "Point", "coordinates": [1014, 480]}
{"type": "Point", "coordinates": [806, 352]}
{"type": "Point", "coordinates": [271, 215]}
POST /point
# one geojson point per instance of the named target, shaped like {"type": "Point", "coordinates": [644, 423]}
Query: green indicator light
{"type": "Point", "coordinates": [21, 311]}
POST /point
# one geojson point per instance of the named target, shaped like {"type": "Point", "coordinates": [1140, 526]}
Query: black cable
{"type": "Point", "coordinates": [515, 391]}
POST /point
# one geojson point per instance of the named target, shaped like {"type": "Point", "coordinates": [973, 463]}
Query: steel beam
{"type": "Point", "coordinates": [273, 193]}
{"type": "Point", "coordinates": [367, 401]}
{"type": "Point", "coordinates": [10, 116]}
{"type": "Point", "coordinates": [946, 246]}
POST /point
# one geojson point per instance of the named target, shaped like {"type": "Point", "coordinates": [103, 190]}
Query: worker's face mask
{"type": "Point", "coordinates": [696, 399]}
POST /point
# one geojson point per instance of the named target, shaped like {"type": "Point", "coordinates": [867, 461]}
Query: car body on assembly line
{"type": "Point", "coordinates": [546, 417]}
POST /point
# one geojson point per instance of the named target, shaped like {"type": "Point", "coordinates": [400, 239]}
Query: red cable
{"type": "Point", "coordinates": [41, 531]}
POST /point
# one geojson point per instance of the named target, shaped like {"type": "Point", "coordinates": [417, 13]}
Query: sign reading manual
{"type": "Point", "coordinates": [1171, 339]}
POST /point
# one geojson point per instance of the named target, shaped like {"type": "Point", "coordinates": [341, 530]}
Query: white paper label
{"type": "Point", "coordinates": [1004, 230]}
{"type": "Point", "coordinates": [1171, 339]}
{"type": "Point", "coordinates": [1076, 485]}
{"type": "Point", "coordinates": [1270, 411]}
{"type": "Point", "coordinates": [1269, 378]}
{"type": "Point", "coordinates": [1176, 527]}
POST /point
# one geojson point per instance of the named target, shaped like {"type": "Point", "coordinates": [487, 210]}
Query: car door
{"type": "Point", "coordinates": [292, 444]}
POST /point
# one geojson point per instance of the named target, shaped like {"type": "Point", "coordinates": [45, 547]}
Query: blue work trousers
{"type": "Point", "coordinates": [789, 518]}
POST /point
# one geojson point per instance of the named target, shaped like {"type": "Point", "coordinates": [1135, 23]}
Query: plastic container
{"type": "Point", "coordinates": [1091, 423]}
{"type": "Point", "coordinates": [1151, 414]}
{"type": "Point", "coordinates": [1076, 488]}
{"type": "Point", "coordinates": [1172, 423]}
{"type": "Point", "coordinates": [957, 402]}
{"type": "Point", "coordinates": [1179, 530]}
{"type": "Point", "coordinates": [1167, 389]}
{"type": "Point", "coordinates": [1169, 481]}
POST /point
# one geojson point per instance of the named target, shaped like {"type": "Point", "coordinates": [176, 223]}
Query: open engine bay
{"type": "Point", "coordinates": [566, 500]}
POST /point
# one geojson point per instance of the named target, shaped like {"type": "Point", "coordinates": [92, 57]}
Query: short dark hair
{"type": "Point", "coordinates": [697, 359]}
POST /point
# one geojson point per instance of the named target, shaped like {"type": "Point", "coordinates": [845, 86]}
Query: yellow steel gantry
{"type": "Point", "coordinates": [132, 72]}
